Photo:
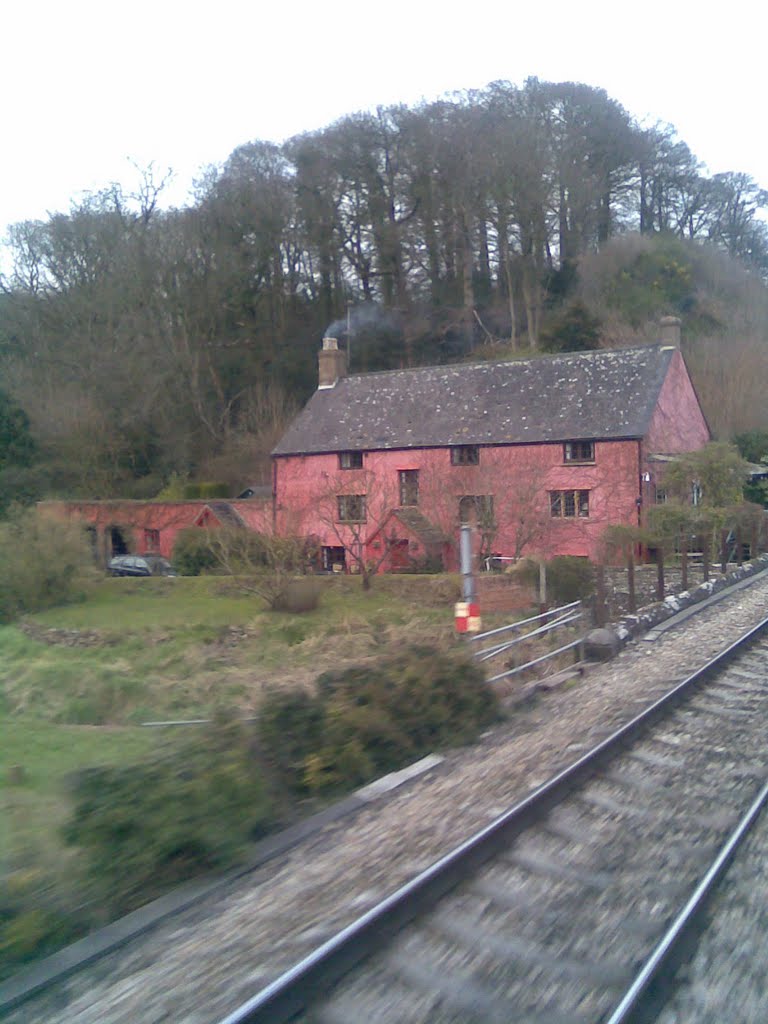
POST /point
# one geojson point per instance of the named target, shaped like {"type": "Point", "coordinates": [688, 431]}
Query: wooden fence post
{"type": "Point", "coordinates": [631, 580]}
{"type": "Point", "coordinates": [683, 560]}
{"type": "Point", "coordinates": [601, 611]}
{"type": "Point", "coordinates": [723, 552]}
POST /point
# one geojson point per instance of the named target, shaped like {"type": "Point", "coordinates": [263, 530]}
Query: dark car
{"type": "Point", "coordinates": [140, 565]}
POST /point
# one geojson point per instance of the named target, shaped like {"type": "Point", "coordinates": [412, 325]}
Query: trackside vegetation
{"type": "Point", "coordinates": [301, 706]}
{"type": "Point", "coordinates": [189, 808]}
{"type": "Point", "coordinates": [373, 718]}
{"type": "Point", "coordinates": [42, 563]}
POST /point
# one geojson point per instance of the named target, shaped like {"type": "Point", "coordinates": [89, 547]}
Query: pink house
{"type": "Point", "coordinates": [540, 454]}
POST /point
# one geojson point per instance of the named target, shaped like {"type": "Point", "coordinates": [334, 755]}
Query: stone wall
{"type": "Point", "coordinates": [503, 594]}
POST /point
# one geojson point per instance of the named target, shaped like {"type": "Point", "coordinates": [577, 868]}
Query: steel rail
{"type": "Point", "coordinates": [304, 983]}
{"type": "Point", "coordinates": [632, 1007]}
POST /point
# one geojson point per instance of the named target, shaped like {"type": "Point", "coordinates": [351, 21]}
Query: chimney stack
{"type": "Point", "coordinates": [332, 363]}
{"type": "Point", "coordinates": [670, 331]}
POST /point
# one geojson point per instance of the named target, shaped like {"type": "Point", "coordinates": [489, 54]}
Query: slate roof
{"type": "Point", "coordinates": [226, 515]}
{"type": "Point", "coordinates": [419, 525]}
{"type": "Point", "coordinates": [585, 395]}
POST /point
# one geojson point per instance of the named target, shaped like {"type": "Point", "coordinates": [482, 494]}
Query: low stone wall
{"type": "Point", "coordinates": [602, 643]}
{"type": "Point", "coordinates": [503, 594]}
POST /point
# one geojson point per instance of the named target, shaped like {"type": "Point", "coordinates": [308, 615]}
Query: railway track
{"type": "Point", "coordinates": [724, 978]}
{"type": "Point", "coordinates": [548, 914]}
{"type": "Point", "coordinates": [196, 965]}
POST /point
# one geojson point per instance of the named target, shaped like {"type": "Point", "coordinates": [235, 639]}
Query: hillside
{"type": "Point", "coordinates": [142, 347]}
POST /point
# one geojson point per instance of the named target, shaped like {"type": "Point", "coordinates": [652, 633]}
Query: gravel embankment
{"type": "Point", "coordinates": [552, 926]}
{"type": "Point", "coordinates": [726, 979]}
{"type": "Point", "coordinates": [200, 965]}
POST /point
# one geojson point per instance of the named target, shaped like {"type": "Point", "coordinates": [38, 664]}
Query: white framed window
{"type": "Point", "coordinates": [569, 504]}
{"type": "Point", "coordinates": [579, 451]}
{"type": "Point", "coordinates": [351, 508]}
{"type": "Point", "coordinates": [409, 486]}
{"type": "Point", "coordinates": [465, 455]}
{"type": "Point", "coordinates": [350, 460]}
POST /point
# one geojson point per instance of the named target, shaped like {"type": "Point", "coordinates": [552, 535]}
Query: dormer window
{"type": "Point", "coordinates": [350, 460]}
{"type": "Point", "coordinates": [465, 455]}
{"type": "Point", "coordinates": [579, 451]}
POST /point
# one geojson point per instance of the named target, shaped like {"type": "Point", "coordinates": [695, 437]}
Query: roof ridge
{"type": "Point", "coordinates": [538, 357]}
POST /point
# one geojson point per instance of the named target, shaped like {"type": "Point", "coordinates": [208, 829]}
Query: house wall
{"type": "Point", "coordinates": [396, 547]}
{"type": "Point", "coordinates": [677, 424]}
{"type": "Point", "coordinates": [519, 477]}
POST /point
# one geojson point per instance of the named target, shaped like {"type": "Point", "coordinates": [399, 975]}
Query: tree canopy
{"type": "Point", "coordinates": [144, 342]}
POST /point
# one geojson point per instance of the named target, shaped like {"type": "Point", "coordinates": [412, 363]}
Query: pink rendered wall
{"type": "Point", "coordinates": [168, 518]}
{"type": "Point", "coordinates": [519, 478]}
{"type": "Point", "coordinates": [677, 424]}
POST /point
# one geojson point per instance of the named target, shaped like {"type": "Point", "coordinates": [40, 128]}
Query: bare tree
{"type": "Point", "coordinates": [354, 508]}
{"type": "Point", "coordinates": [265, 564]}
{"type": "Point", "coordinates": [501, 496]}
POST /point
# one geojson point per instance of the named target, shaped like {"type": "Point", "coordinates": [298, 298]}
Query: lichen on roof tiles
{"type": "Point", "coordinates": [590, 395]}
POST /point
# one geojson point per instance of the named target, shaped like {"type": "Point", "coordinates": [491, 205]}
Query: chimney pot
{"type": "Point", "coordinates": [670, 331]}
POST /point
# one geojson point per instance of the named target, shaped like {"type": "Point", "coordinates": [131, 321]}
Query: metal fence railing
{"type": "Point", "coordinates": [553, 619]}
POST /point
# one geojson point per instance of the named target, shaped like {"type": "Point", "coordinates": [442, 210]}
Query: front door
{"type": "Point", "coordinates": [398, 556]}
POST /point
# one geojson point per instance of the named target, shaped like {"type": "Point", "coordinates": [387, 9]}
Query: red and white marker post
{"type": "Point", "coordinates": [467, 612]}
{"type": "Point", "coordinates": [467, 617]}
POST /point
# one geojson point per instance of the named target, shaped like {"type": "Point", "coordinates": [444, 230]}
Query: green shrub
{"type": "Point", "coordinates": [192, 552]}
{"type": "Point", "coordinates": [752, 445]}
{"type": "Point", "coordinates": [173, 489]}
{"type": "Point", "coordinates": [33, 919]}
{"type": "Point", "coordinates": [195, 491]}
{"type": "Point", "coordinates": [652, 278]}
{"type": "Point", "coordinates": [219, 549]}
{"type": "Point", "coordinates": [214, 490]}
{"type": "Point", "coordinates": [570, 578]}
{"type": "Point", "coordinates": [290, 725]}
{"type": "Point", "coordinates": [376, 717]}
{"type": "Point", "coordinates": [43, 561]}
{"type": "Point", "coordinates": [299, 595]}
{"type": "Point", "coordinates": [149, 825]}
{"type": "Point", "coordinates": [575, 329]}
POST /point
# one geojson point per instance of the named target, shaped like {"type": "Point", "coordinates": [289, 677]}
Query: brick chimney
{"type": "Point", "coordinates": [670, 331]}
{"type": "Point", "coordinates": [332, 363]}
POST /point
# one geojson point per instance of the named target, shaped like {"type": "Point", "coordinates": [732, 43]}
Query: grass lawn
{"type": "Point", "coordinates": [143, 650]}
{"type": "Point", "coordinates": [76, 682]}
{"type": "Point", "coordinates": [34, 809]}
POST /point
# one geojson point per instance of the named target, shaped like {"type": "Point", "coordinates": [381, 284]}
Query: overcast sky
{"type": "Point", "coordinates": [90, 87]}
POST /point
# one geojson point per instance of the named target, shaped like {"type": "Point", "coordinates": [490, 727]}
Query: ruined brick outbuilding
{"type": "Point", "coordinates": [151, 527]}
